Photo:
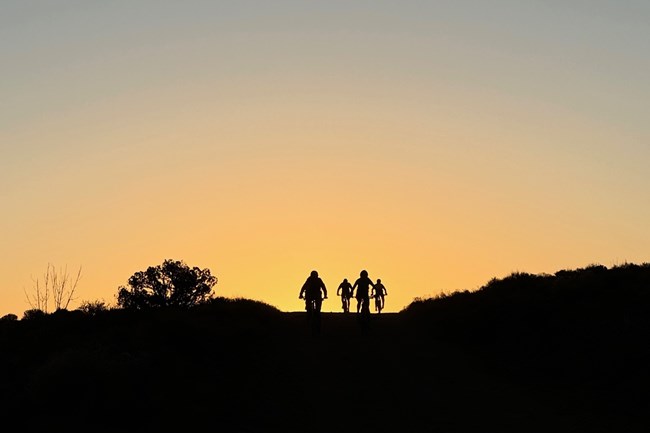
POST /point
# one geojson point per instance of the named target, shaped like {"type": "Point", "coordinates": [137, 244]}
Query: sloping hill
{"type": "Point", "coordinates": [561, 353]}
{"type": "Point", "coordinates": [579, 336]}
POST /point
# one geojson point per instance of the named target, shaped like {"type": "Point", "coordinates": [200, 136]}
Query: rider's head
{"type": "Point", "coordinates": [313, 274]}
{"type": "Point", "coordinates": [378, 280]}
{"type": "Point", "coordinates": [345, 280]}
{"type": "Point", "coordinates": [364, 273]}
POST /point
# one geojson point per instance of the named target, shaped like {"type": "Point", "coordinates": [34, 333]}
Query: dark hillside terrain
{"type": "Point", "coordinates": [528, 353]}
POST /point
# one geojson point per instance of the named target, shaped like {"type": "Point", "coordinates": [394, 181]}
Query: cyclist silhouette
{"type": "Point", "coordinates": [345, 292]}
{"type": "Point", "coordinates": [378, 292]}
{"type": "Point", "coordinates": [311, 292]}
{"type": "Point", "coordinates": [362, 285]}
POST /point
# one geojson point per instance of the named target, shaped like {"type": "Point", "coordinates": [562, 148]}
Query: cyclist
{"type": "Point", "coordinates": [345, 292]}
{"type": "Point", "coordinates": [378, 292]}
{"type": "Point", "coordinates": [362, 285]}
{"type": "Point", "coordinates": [311, 291]}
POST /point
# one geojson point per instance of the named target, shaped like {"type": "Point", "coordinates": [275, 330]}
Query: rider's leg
{"type": "Point", "coordinates": [308, 309]}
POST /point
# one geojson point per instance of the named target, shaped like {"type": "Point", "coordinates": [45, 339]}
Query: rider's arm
{"type": "Point", "coordinates": [324, 288]}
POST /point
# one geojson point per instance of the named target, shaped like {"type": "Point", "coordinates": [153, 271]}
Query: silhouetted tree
{"type": "Point", "coordinates": [171, 284]}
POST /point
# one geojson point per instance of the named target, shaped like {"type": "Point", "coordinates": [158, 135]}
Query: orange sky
{"type": "Point", "coordinates": [436, 146]}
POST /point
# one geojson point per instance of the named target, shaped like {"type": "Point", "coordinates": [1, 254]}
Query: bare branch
{"type": "Point", "coordinates": [70, 296]}
{"type": "Point", "coordinates": [56, 285]}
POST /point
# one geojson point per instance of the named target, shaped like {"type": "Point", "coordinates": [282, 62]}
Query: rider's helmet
{"type": "Point", "coordinates": [313, 274]}
{"type": "Point", "coordinates": [364, 273]}
{"type": "Point", "coordinates": [378, 280]}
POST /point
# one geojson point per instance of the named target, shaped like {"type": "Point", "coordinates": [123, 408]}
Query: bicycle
{"type": "Point", "coordinates": [363, 315]}
{"type": "Point", "coordinates": [313, 308]}
{"type": "Point", "coordinates": [379, 303]}
{"type": "Point", "coordinates": [345, 303]}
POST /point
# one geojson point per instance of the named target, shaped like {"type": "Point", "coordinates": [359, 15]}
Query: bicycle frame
{"type": "Point", "coordinates": [345, 304]}
{"type": "Point", "coordinates": [378, 304]}
{"type": "Point", "coordinates": [313, 307]}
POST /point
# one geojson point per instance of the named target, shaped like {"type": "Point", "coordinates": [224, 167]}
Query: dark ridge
{"type": "Point", "coordinates": [528, 353]}
{"type": "Point", "coordinates": [579, 335]}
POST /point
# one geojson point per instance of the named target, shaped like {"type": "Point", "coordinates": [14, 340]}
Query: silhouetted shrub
{"type": "Point", "coordinates": [34, 314]}
{"type": "Point", "coordinates": [93, 308]}
{"type": "Point", "coordinates": [239, 305]}
{"type": "Point", "coordinates": [9, 318]}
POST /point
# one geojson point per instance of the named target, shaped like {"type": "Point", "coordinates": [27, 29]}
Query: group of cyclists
{"type": "Point", "coordinates": [313, 291]}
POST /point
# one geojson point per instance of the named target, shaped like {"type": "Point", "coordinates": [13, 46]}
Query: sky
{"type": "Point", "coordinates": [436, 144]}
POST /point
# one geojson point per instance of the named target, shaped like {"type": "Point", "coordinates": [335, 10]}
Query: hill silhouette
{"type": "Point", "coordinates": [566, 353]}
